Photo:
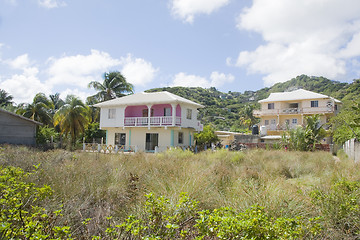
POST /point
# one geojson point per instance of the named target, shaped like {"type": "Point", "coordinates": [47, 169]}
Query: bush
{"type": "Point", "coordinates": [20, 215]}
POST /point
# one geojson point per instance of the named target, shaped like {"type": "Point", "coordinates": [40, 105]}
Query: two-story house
{"type": "Point", "coordinates": [149, 120]}
{"type": "Point", "coordinates": [288, 109]}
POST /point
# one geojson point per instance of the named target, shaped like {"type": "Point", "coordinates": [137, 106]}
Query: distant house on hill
{"type": "Point", "coordinates": [288, 109]}
{"type": "Point", "coordinates": [149, 120]}
{"type": "Point", "coordinates": [16, 129]}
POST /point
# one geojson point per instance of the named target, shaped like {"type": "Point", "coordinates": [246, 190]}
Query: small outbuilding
{"type": "Point", "coordinates": [16, 129]}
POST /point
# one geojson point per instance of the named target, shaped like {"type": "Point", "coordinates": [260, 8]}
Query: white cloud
{"type": "Point", "coordinates": [216, 80]}
{"type": "Point", "coordinates": [187, 9]}
{"type": "Point", "coordinates": [51, 3]}
{"type": "Point", "coordinates": [79, 70]}
{"type": "Point", "coordinates": [314, 37]}
{"type": "Point", "coordinates": [80, 94]}
{"type": "Point", "coordinates": [23, 87]}
{"type": "Point", "coordinates": [19, 62]}
{"type": "Point", "coordinates": [137, 71]}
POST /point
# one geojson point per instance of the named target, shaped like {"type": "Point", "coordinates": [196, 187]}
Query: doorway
{"type": "Point", "coordinates": [151, 141]}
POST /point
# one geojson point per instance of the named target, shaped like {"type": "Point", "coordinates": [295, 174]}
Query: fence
{"type": "Point", "coordinates": [352, 149]}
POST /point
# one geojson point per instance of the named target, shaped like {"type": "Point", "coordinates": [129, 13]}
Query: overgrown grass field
{"type": "Point", "coordinates": [311, 193]}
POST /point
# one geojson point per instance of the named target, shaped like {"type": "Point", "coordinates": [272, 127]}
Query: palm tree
{"type": "Point", "coordinates": [5, 98]}
{"type": "Point", "coordinates": [114, 85]}
{"type": "Point", "coordinates": [56, 101]}
{"type": "Point", "coordinates": [39, 110]}
{"type": "Point", "coordinates": [72, 117]}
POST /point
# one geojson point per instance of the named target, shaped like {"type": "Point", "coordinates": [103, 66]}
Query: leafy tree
{"type": "Point", "coordinates": [72, 117]}
{"type": "Point", "coordinates": [246, 116]}
{"type": "Point", "coordinates": [114, 85]}
{"type": "Point", "coordinates": [5, 98]}
{"type": "Point", "coordinates": [346, 125]}
{"type": "Point", "coordinates": [314, 131]}
{"type": "Point", "coordinates": [207, 136]}
{"type": "Point", "coordinates": [56, 101]}
{"type": "Point", "coordinates": [39, 110]}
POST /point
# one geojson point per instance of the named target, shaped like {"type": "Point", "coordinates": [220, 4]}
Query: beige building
{"type": "Point", "coordinates": [145, 121]}
{"type": "Point", "coordinates": [281, 111]}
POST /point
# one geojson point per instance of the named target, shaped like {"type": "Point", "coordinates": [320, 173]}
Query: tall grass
{"type": "Point", "coordinates": [93, 185]}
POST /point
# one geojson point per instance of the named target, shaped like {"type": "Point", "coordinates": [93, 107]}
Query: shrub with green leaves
{"type": "Point", "coordinates": [254, 223]}
{"type": "Point", "coordinates": [20, 215]}
{"type": "Point", "coordinates": [340, 205]}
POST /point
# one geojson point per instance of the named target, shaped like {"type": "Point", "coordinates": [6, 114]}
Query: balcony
{"type": "Point", "coordinates": [154, 121]}
{"type": "Point", "coordinates": [290, 111]}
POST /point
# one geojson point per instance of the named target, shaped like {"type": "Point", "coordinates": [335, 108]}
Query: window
{"type": "Point", "coordinates": [294, 121]}
{"type": "Point", "coordinates": [287, 122]}
{"type": "Point", "coordinates": [120, 138]}
{"type": "Point", "coordinates": [112, 113]}
{"type": "Point", "coordinates": [314, 103]}
{"type": "Point", "coordinates": [180, 138]}
{"type": "Point", "coordinates": [266, 122]}
{"type": "Point", "coordinates": [188, 113]}
{"type": "Point", "coordinates": [271, 106]}
{"type": "Point", "coordinates": [293, 105]}
{"type": "Point", "coordinates": [145, 112]}
{"type": "Point", "coordinates": [273, 121]}
{"type": "Point", "coordinates": [336, 107]}
{"type": "Point", "coordinates": [167, 111]}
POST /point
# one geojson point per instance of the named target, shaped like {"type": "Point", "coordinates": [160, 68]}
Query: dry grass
{"type": "Point", "coordinates": [91, 185]}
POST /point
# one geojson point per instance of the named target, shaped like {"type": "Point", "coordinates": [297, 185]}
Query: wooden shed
{"type": "Point", "coordinates": [16, 129]}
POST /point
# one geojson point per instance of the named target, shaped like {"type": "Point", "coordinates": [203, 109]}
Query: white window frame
{"type": "Point", "coordinates": [271, 105]}
{"type": "Point", "coordinates": [111, 113]}
{"type": "Point", "coordinates": [294, 121]}
{"type": "Point", "coordinates": [273, 121]}
{"type": "Point", "coordinates": [314, 103]}
{"type": "Point", "coordinates": [266, 122]}
{"type": "Point", "coordinates": [189, 113]}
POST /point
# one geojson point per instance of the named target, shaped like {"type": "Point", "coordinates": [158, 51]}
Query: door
{"type": "Point", "coordinates": [151, 141]}
{"type": "Point", "coordinates": [120, 139]}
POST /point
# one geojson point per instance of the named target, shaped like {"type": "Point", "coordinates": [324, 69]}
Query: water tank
{"type": "Point", "coordinates": [255, 130]}
{"type": "Point", "coordinates": [263, 131]}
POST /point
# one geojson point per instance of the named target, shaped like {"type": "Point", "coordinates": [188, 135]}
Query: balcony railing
{"type": "Point", "coordinates": [289, 111]}
{"type": "Point", "coordinates": [154, 121]}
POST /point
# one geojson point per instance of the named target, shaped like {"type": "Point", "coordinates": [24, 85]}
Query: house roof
{"type": "Point", "coordinates": [299, 94]}
{"type": "Point", "coordinates": [144, 98]}
{"type": "Point", "coordinates": [21, 117]}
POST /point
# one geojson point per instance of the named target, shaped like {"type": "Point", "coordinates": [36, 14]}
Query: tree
{"type": "Point", "coordinates": [314, 131]}
{"type": "Point", "coordinates": [39, 110]}
{"type": "Point", "coordinates": [56, 101]}
{"type": "Point", "coordinates": [114, 85]}
{"type": "Point", "coordinates": [5, 98]}
{"type": "Point", "coordinates": [206, 136]}
{"type": "Point", "coordinates": [72, 117]}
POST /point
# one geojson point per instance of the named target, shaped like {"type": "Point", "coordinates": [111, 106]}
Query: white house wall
{"type": "Point", "coordinates": [136, 136]}
{"type": "Point", "coordinates": [118, 121]}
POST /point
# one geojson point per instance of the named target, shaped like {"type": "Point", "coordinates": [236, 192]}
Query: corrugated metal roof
{"type": "Point", "coordinates": [299, 94]}
{"type": "Point", "coordinates": [144, 98]}
{"type": "Point", "coordinates": [19, 116]}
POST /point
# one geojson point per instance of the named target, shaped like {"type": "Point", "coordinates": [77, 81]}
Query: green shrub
{"type": "Point", "coordinates": [20, 215]}
{"type": "Point", "coordinates": [340, 205]}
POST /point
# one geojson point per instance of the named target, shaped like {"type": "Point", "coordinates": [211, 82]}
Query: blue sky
{"type": "Point", "coordinates": [234, 45]}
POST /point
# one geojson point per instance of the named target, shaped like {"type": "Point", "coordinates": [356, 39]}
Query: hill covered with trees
{"type": "Point", "coordinates": [233, 110]}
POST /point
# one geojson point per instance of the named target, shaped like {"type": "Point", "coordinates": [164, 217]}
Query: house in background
{"type": "Point", "coordinates": [16, 129]}
{"type": "Point", "coordinates": [149, 120]}
{"type": "Point", "coordinates": [288, 110]}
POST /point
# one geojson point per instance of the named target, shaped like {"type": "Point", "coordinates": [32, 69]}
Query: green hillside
{"type": "Point", "coordinates": [230, 111]}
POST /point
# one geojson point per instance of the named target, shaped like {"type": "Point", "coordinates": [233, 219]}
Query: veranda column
{"type": "Point", "coordinates": [149, 115]}
{"type": "Point", "coordinates": [173, 114]}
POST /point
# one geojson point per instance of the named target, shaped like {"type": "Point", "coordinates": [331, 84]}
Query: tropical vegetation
{"type": "Point", "coordinates": [258, 194]}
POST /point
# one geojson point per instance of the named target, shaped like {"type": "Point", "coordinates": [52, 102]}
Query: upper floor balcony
{"type": "Point", "coordinates": [152, 121]}
{"type": "Point", "coordinates": [293, 111]}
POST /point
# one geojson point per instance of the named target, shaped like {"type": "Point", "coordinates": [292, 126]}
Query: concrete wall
{"type": "Point", "coordinates": [352, 149]}
{"type": "Point", "coordinates": [14, 130]}
{"type": "Point", "coordinates": [247, 138]}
